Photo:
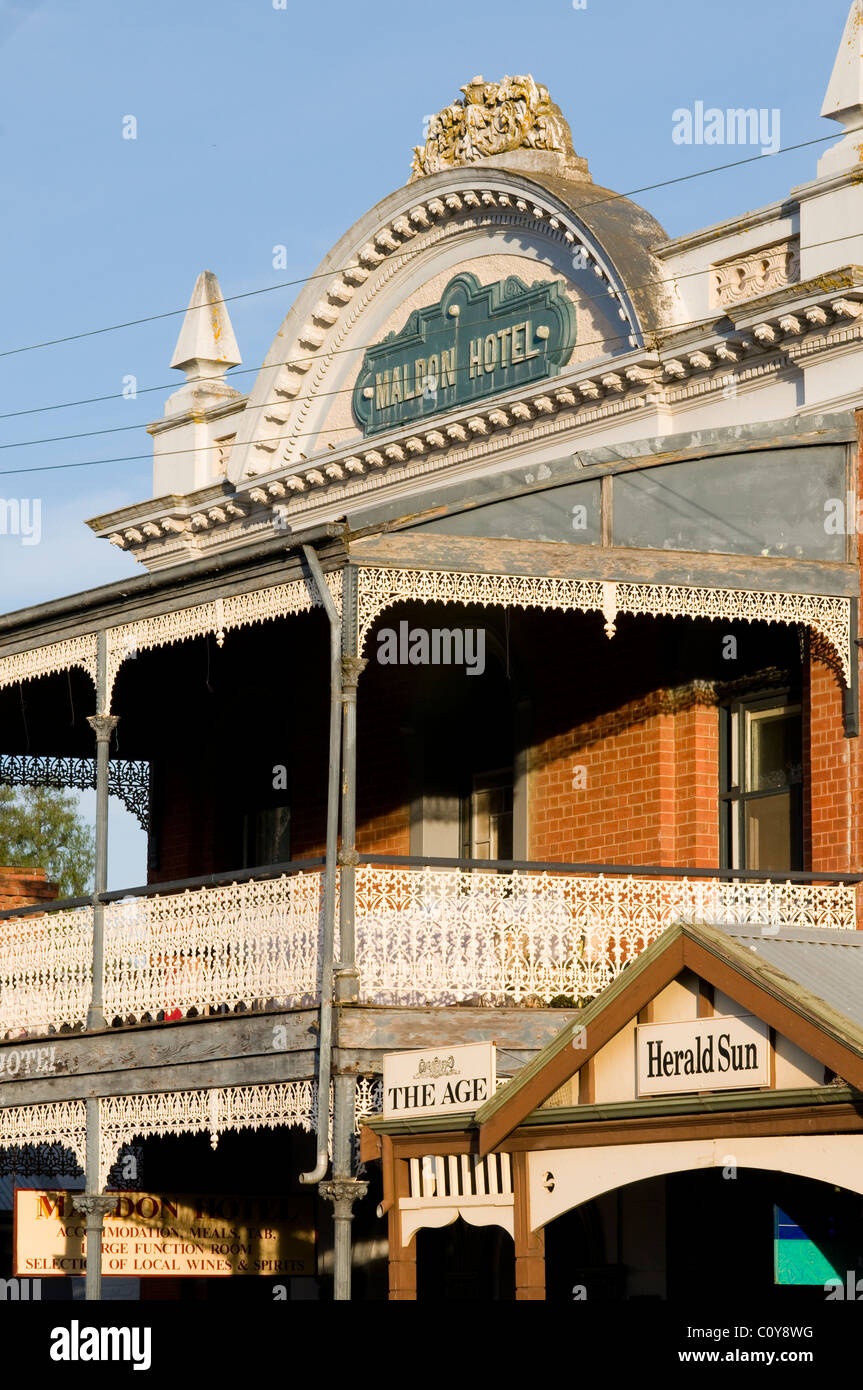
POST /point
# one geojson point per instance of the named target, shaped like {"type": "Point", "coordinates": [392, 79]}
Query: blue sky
{"type": "Point", "coordinates": [259, 126]}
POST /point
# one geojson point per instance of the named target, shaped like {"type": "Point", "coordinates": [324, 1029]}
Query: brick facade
{"type": "Point", "coordinates": [623, 764]}
{"type": "Point", "coordinates": [638, 785]}
{"type": "Point", "coordinates": [25, 888]}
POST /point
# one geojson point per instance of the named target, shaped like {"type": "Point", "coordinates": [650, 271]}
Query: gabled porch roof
{"type": "Point", "coordinates": [742, 966]}
{"type": "Point", "coordinates": [808, 988]}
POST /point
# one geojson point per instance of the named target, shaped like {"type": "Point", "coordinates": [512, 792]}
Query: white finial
{"type": "Point", "coordinates": [844, 99]}
{"type": "Point", "coordinates": [206, 346]}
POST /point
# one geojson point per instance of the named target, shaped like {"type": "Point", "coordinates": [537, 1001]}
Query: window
{"type": "Point", "coordinates": [487, 817]}
{"type": "Point", "coordinates": [267, 837]}
{"type": "Point", "coordinates": [761, 804]}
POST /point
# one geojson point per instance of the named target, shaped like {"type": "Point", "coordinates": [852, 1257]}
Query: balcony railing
{"type": "Point", "coordinates": [426, 935]}
{"type": "Point", "coordinates": [442, 936]}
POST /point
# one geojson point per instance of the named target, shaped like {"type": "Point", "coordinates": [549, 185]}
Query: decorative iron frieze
{"type": "Point", "coordinates": [216, 1111]}
{"type": "Point", "coordinates": [60, 1123]}
{"type": "Point", "coordinates": [216, 618]}
{"type": "Point", "coordinates": [50, 659]}
{"type": "Point", "coordinates": [128, 780]}
{"type": "Point", "coordinates": [51, 1139]}
{"type": "Point", "coordinates": [826, 614]}
{"type": "Point", "coordinates": [425, 936]}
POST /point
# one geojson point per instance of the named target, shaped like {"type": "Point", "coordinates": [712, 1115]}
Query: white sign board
{"type": "Point", "coordinates": [702, 1054]}
{"type": "Point", "coordinates": [447, 1080]}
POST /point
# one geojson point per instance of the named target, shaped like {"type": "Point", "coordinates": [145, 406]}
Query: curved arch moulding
{"type": "Point", "coordinates": [585, 1173]}
{"type": "Point", "coordinates": [827, 615]}
{"type": "Point", "coordinates": [396, 238]}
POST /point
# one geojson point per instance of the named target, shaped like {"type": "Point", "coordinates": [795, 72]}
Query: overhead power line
{"type": "Point", "coordinates": [286, 284]}
{"type": "Point", "coordinates": [360, 347]}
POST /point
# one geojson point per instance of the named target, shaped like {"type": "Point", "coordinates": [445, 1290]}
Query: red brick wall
{"type": "Point", "coordinates": [24, 888]}
{"type": "Point", "coordinates": [612, 818]}
{"type": "Point", "coordinates": [695, 794]}
{"type": "Point", "coordinates": [650, 793]}
{"type": "Point", "coordinates": [828, 790]}
{"type": "Point", "coordinates": [389, 833]}
{"type": "Point", "coordinates": [651, 764]}
{"type": "Point", "coordinates": [188, 806]}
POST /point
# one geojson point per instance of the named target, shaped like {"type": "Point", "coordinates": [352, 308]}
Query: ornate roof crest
{"type": "Point", "coordinates": [493, 119]}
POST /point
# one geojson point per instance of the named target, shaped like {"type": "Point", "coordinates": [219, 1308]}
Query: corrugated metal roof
{"type": "Point", "coordinates": [827, 963]}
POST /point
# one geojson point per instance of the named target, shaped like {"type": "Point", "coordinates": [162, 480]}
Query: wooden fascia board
{"type": "Point", "coordinates": [748, 1115]}
{"type": "Point", "coordinates": [835, 1118]}
{"type": "Point", "coordinates": [430, 551]}
{"type": "Point", "coordinates": [444, 1142]}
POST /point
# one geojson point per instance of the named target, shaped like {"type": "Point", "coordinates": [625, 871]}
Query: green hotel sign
{"type": "Point", "coordinates": [476, 341]}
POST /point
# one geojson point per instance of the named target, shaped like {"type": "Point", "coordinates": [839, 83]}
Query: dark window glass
{"type": "Point", "coordinates": [267, 836]}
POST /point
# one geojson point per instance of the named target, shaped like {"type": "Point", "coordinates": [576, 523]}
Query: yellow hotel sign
{"type": "Point", "coordinates": [153, 1235]}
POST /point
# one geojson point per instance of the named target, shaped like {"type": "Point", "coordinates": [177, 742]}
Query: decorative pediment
{"type": "Point", "coordinates": [492, 119]}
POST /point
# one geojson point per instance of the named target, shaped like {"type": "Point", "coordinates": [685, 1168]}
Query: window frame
{"type": "Point", "coordinates": [495, 779]}
{"type": "Point", "coordinates": [733, 796]}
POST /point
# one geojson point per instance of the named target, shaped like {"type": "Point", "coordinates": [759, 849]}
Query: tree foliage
{"type": "Point", "coordinates": [41, 828]}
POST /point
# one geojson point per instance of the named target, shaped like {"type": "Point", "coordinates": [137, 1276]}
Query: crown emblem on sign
{"type": "Point", "coordinates": [438, 1066]}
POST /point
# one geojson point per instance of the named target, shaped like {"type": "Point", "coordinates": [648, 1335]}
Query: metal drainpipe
{"type": "Point", "coordinates": [325, 1036]}
{"type": "Point", "coordinates": [344, 1190]}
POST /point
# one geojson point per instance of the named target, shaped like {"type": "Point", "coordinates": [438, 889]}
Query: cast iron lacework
{"type": "Point", "coordinates": [60, 1125]}
{"type": "Point", "coordinates": [38, 1160]}
{"type": "Point", "coordinates": [218, 617]}
{"type": "Point", "coordinates": [51, 1139]}
{"type": "Point", "coordinates": [827, 615]}
{"type": "Point", "coordinates": [130, 781]}
{"type": "Point", "coordinates": [216, 1112]}
{"type": "Point", "coordinates": [369, 1098]}
{"type": "Point", "coordinates": [436, 936]}
{"type": "Point", "coordinates": [425, 936]}
{"type": "Point", "coordinates": [46, 661]}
